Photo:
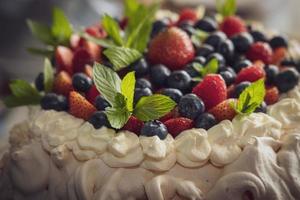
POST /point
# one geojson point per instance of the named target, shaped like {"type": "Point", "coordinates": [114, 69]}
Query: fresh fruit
{"type": "Point", "coordinates": [64, 59]}
{"type": "Point", "coordinates": [233, 25]}
{"type": "Point", "coordinates": [278, 41]}
{"type": "Point", "coordinates": [279, 54]}
{"type": "Point", "coordinates": [180, 80]}
{"type": "Point", "coordinates": [81, 82]}
{"type": "Point", "coordinates": [260, 51]}
{"type": "Point", "coordinates": [241, 64]}
{"type": "Point", "coordinates": [212, 90]}
{"type": "Point", "coordinates": [96, 31]}
{"type": "Point", "coordinates": [177, 125]}
{"type": "Point", "coordinates": [173, 114]}
{"type": "Point", "coordinates": [173, 93]}
{"type": "Point", "coordinates": [206, 24]}
{"type": "Point", "coordinates": [53, 101]}
{"type": "Point", "coordinates": [79, 106]}
{"type": "Point", "coordinates": [258, 36]}
{"type": "Point", "coordinates": [205, 50]}
{"type": "Point", "coordinates": [141, 92]}
{"type": "Point", "coordinates": [88, 70]}
{"type": "Point", "coordinates": [242, 42]}
{"type": "Point", "coordinates": [80, 59]}
{"type": "Point", "coordinates": [140, 67]}
{"type": "Point", "coordinates": [220, 58]}
{"type": "Point", "coordinates": [262, 108]}
{"type": "Point", "coordinates": [154, 128]}
{"type": "Point", "coordinates": [143, 83]}
{"type": "Point", "coordinates": [239, 88]}
{"type": "Point", "coordinates": [187, 14]}
{"type": "Point", "coordinates": [92, 94]}
{"type": "Point", "coordinates": [99, 119]}
{"type": "Point", "coordinates": [134, 125]}
{"type": "Point", "coordinates": [39, 82]}
{"type": "Point", "coordinates": [287, 79]}
{"type": "Point", "coordinates": [159, 74]}
{"type": "Point", "coordinates": [190, 106]}
{"type": "Point", "coordinates": [228, 77]}
{"type": "Point", "coordinates": [63, 83]}
{"type": "Point", "coordinates": [215, 39]}
{"type": "Point", "coordinates": [74, 41]}
{"type": "Point", "coordinates": [101, 103]}
{"type": "Point", "coordinates": [251, 74]}
{"type": "Point", "coordinates": [272, 95]}
{"type": "Point", "coordinates": [187, 27]}
{"type": "Point", "coordinates": [199, 59]}
{"type": "Point", "coordinates": [271, 73]}
{"type": "Point", "coordinates": [226, 49]}
{"type": "Point", "coordinates": [159, 26]}
{"type": "Point", "coordinates": [191, 70]}
{"type": "Point", "coordinates": [172, 48]}
{"type": "Point", "coordinates": [223, 110]}
{"type": "Point", "coordinates": [205, 121]}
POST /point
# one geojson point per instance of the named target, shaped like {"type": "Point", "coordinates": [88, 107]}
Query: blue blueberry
{"type": "Point", "coordinates": [159, 26]}
{"type": "Point", "coordinates": [99, 119]}
{"type": "Point", "coordinates": [154, 128]}
{"type": "Point", "coordinates": [143, 83]}
{"type": "Point", "coordinates": [258, 36]}
{"type": "Point", "coordinates": [288, 63]}
{"type": "Point", "coordinates": [190, 106]}
{"type": "Point", "coordinates": [262, 108]}
{"type": "Point", "coordinates": [141, 92]}
{"type": "Point", "coordinates": [81, 82]}
{"type": "Point", "coordinates": [159, 75]}
{"type": "Point", "coordinates": [287, 79]}
{"type": "Point", "coordinates": [241, 64]}
{"type": "Point", "coordinates": [190, 69]}
{"type": "Point", "coordinates": [101, 103]}
{"type": "Point", "coordinates": [173, 93]}
{"type": "Point", "coordinates": [180, 80]}
{"type": "Point", "coordinates": [278, 41]}
{"type": "Point", "coordinates": [140, 67]}
{"type": "Point", "coordinates": [215, 39]}
{"type": "Point", "coordinates": [239, 88]}
{"type": "Point", "coordinates": [271, 73]}
{"type": "Point", "coordinates": [219, 57]}
{"type": "Point", "coordinates": [187, 27]}
{"type": "Point", "coordinates": [228, 76]}
{"type": "Point", "coordinates": [199, 59]}
{"type": "Point", "coordinates": [205, 121]}
{"type": "Point", "coordinates": [226, 49]}
{"type": "Point", "coordinates": [206, 24]}
{"type": "Point", "coordinates": [52, 101]}
{"type": "Point", "coordinates": [39, 82]}
{"type": "Point", "coordinates": [242, 42]}
{"type": "Point", "coordinates": [205, 50]}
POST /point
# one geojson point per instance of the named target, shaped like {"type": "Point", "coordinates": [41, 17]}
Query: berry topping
{"type": "Point", "coordinates": [134, 125]}
{"type": "Point", "coordinates": [205, 50]}
{"type": "Point", "coordinates": [287, 79]}
{"type": "Point", "coordinates": [217, 56]}
{"type": "Point", "coordinates": [190, 106]}
{"type": "Point", "coordinates": [223, 110]}
{"type": "Point", "coordinates": [154, 128]}
{"type": "Point", "coordinates": [206, 24]}
{"type": "Point", "coordinates": [271, 73]}
{"type": "Point", "coordinates": [260, 51]}
{"type": "Point", "coordinates": [140, 67]}
{"type": "Point", "coordinates": [172, 48]}
{"type": "Point", "coordinates": [278, 41]}
{"type": "Point", "coordinates": [63, 83]}
{"type": "Point", "coordinates": [159, 26]}
{"type": "Point", "coordinates": [39, 82]}
{"type": "Point", "coordinates": [251, 74]}
{"type": "Point", "coordinates": [258, 36]}
{"type": "Point", "coordinates": [64, 59]}
{"type": "Point", "coordinates": [233, 25]}
{"type": "Point", "coordinates": [79, 106]}
{"type": "Point", "coordinates": [215, 39]}
{"type": "Point", "coordinates": [205, 121]}
{"type": "Point", "coordinates": [173, 93]}
{"type": "Point", "coordinates": [187, 14]}
{"type": "Point", "coordinates": [242, 42]}
{"type": "Point", "coordinates": [226, 49]}
{"type": "Point", "coordinates": [180, 80]}
{"type": "Point", "coordinates": [177, 125]}
{"type": "Point", "coordinates": [159, 74]}
{"type": "Point", "coordinates": [241, 64]}
{"type": "Point", "coordinates": [143, 83]}
{"type": "Point", "coordinates": [272, 95]}
{"type": "Point", "coordinates": [141, 92]}
{"type": "Point", "coordinates": [80, 59]}
{"type": "Point", "coordinates": [228, 76]}
{"type": "Point", "coordinates": [173, 114]}
{"type": "Point", "coordinates": [92, 94]}
{"type": "Point", "coordinates": [262, 108]}
{"type": "Point", "coordinates": [99, 119]}
{"type": "Point", "coordinates": [101, 103]}
{"type": "Point", "coordinates": [239, 88]}
{"type": "Point", "coordinates": [212, 90]}
{"type": "Point", "coordinates": [53, 101]}
{"type": "Point", "coordinates": [81, 82]}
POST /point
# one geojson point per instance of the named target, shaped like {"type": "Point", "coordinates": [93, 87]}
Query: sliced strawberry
{"type": "Point", "coordinates": [81, 58]}
{"type": "Point", "coordinates": [177, 125]}
{"type": "Point", "coordinates": [173, 114]}
{"type": "Point", "coordinates": [79, 106]}
{"type": "Point", "coordinates": [94, 50]}
{"type": "Point", "coordinates": [212, 90]}
{"type": "Point", "coordinates": [233, 25]}
{"type": "Point", "coordinates": [88, 70]}
{"type": "Point", "coordinates": [63, 83]}
{"type": "Point", "coordinates": [63, 59]}
{"type": "Point", "coordinates": [134, 125]}
{"type": "Point", "coordinates": [260, 51]}
{"type": "Point", "coordinates": [223, 110]}
{"type": "Point", "coordinates": [187, 14]}
{"type": "Point", "coordinates": [172, 48]}
{"type": "Point", "coordinates": [251, 74]}
{"type": "Point", "coordinates": [92, 94]}
{"type": "Point", "coordinates": [279, 54]}
{"type": "Point", "coordinates": [96, 31]}
{"type": "Point", "coordinates": [74, 41]}
{"type": "Point", "coordinates": [272, 95]}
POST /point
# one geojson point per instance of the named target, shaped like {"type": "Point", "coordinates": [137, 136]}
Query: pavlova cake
{"type": "Point", "coordinates": [157, 106]}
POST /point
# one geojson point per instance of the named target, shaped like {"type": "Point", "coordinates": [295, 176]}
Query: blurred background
{"type": "Point", "coordinates": [15, 38]}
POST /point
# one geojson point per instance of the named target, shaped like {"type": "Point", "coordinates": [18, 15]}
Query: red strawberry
{"type": "Point", "coordinates": [94, 50]}
{"type": "Point", "coordinates": [96, 31]}
{"type": "Point", "coordinates": [63, 83]}
{"type": "Point", "coordinates": [212, 90]}
{"type": "Point", "coordinates": [63, 59]}
{"type": "Point", "coordinates": [92, 94]}
{"type": "Point", "coordinates": [272, 95]}
{"type": "Point", "coordinates": [177, 125]}
{"type": "Point", "coordinates": [223, 110]}
{"type": "Point", "coordinates": [251, 73]}
{"type": "Point", "coordinates": [172, 48]}
{"type": "Point", "coordinates": [233, 25]}
{"type": "Point", "coordinates": [260, 51]}
{"type": "Point", "coordinates": [79, 106]}
{"type": "Point", "coordinates": [81, 58]}
{"type": "Point", "coordinates": [230, 91]}
{"type": "Point", "coordinates": [278, 55]}
{"type": "Point", "coordinates": [173, 114]}
{"type": "Point", "coordinates": [134, 125]}
{"type": "Point", "coordinates": [88, 70]}
{"type": "Point", "coordinates": [74, 41]}
{"type": "Point", "coordinates": [187, 14]}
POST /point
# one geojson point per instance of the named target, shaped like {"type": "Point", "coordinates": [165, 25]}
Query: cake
{"type": "Point", "coordinates": [158, 106]}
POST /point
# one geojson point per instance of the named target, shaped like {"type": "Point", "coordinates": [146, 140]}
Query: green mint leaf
{"type": "Point", "coordinates": [198, 37]}
{"type": "Point", "coordinates": [106, 43]}
{"type": "Point", "coordinates": [226, 7]}
{"type": "Point", "coordinates": [46, 52]}
{"type": "Point", "coordinates": [42, 32]}
{"type": "Point", "coordinates": [113, 29]}
{"type": "Point", "coordinates": [153, 107]}
{"type": "Point", "coordinates": [117, 117]}
{"type": "Point", "coordinates": [61, 28]}
{"type": "Point", "coordinates": [121, 57]}
{"type": "Point", "coordinates": [107, 82]}
{"type": "Point", "coordinates": [127, 89]}
{"type": "Point", "coordinates": [198, 67]}
{"type": "Point", "coordinates": [251, 98]}
{"type": "Point", "coordinates": [48, 75]}
{"type": "Point", "coordinates": [211, 67]}
{"type": "Point", "coordinates": [13, 101]}
{"type": "Point", "coordinates": [130, 7]}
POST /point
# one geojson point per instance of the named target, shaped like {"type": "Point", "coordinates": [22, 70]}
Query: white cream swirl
{"type": "Point", "coordinates": [192, 148]}
{"type": "Point", "coordinates": [294, 93]}
{"type": "Point", "coordinates": [287, 111]}
{"type": "Point", "coordinates": [224, 143]}
{"type": "Point", "coordinates": [256, 124]}
{"type": "Point", "coordinates": [159, 154]}
{"type": "Point", "coordinates": [124, 150]}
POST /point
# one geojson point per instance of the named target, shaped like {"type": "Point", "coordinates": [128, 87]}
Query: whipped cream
{"type": "Point", "coordinates": [192, 148]}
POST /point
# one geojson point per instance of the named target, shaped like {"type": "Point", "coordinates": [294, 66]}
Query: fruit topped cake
{"type": "Point", "coordinates": [157, 105]}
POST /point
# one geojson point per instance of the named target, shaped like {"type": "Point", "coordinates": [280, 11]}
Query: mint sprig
{"type": "Point", "coordinates": [226, 7]}
{"type": "Point", "coordinates": [210, 68]}
{"type": "Point", "coordinates": [113, 29]}
{"type": "Point", "coordinates": [48, 75]}
{"type": "Point", "coordinates": [251, 98]}
{"type": "Point", "coordinates": [120, 94]}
